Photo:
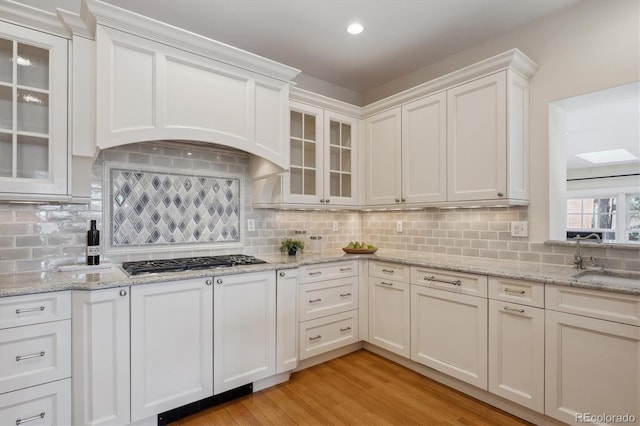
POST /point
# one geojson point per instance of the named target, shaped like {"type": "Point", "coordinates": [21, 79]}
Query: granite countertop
{"type": "Point", "coordinates": [113, 276]}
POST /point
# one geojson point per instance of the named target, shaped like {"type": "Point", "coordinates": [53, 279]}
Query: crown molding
{"type": "Point", "coordinates": [21, 14]}
{"type": "Point", "coordinates": [74, 24]}
{"type": "Point", "coordinates": [304, 96]}
{"type": "Point", "coordinates": [512, 59]}
{"type": "Point", "coordinates": [160, 32]}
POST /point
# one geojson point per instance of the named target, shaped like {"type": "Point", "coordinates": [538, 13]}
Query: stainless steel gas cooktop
{"type": "Point", "coordinates": [189, 263]}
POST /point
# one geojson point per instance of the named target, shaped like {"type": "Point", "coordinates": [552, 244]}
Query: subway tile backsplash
{"type": "Point", "coordinates": [43, 237]}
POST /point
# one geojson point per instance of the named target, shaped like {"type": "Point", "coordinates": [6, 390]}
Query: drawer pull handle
{"type": "Point", "coordinates": [315, 338]}
{"type": "Point", "coordinates": [315, 300]}
{"type": "Point", "coordinates": [432, 278]}
{"type": "Point", "coordinates": [22, 311]}
{"type": "Point", "coordinates": [21, 357]}
{"type": "Point", "coordinates": [388, 271]}
{"type": "Point", "coordinates": [345, 294]}
{"type": "Point", "coordinates": [345, 269]}
{"type": "Point", "coordinates": [521, 311]}
{"type": "Point", "coordinates": [345, 329]}
{"type": "Point", "coordinates": [30, 419]}
{"type": "Point", "coordinates": [510, 290]}
{"type": "Point", "coordinates": [315, 273]}
{"type": "Point", "coordinates": [386, 283]}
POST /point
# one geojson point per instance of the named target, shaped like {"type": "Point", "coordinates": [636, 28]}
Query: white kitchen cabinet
{"type": "Point", "coordinates": [244, 332]}
{"type": "Point", "coordinates": [390, 315]}
{"type": "Point", "coordinates": [46, 404]}
{"type": "Point", "coordinates": [449, 333]}
{"type": "Point", "coordinates": [323, 166]}
{"type": "Point", "coordinates": [33, 114]}
{"type": "Point", "coordinates": [286, 320]}
{"type": "Point", "coordinates": [171, 345]}
{"type": "Point", "coordinates": [424, 150]}
{"type": "Point", "coordinates": [101, 370]}
{"type": "Point", "coordinates": [592, 365]}
{"type": "Point", "coordinates": [148, 90]}
{"type": "Point", "coordinates": [389, 303]}
{"type": "Point", "coordinates": [516, 353]}
{"type": "Point", "coordinates": [487, 139]}
{"type": "Point", "coordinates": [384, 158]}
{"type": "Point", "coordinates": [325, 334]}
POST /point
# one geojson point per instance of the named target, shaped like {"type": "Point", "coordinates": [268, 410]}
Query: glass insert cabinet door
{"type": "Point", "coordinates": [340, 158]}
{"type": "Point", "coordinates": [304, 180]}
{"type": "Point", "coordinates": [33, 111]}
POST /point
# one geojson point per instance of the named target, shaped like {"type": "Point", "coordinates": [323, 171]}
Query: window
{"type": "Point", "coordinates": [616, 217]}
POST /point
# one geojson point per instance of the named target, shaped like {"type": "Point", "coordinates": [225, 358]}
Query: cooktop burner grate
{"type": "Point", "coordinates": [189, 263]}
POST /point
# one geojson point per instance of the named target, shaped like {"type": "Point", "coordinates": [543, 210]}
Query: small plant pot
{"type": "Point", "coordinates": [293, 251]}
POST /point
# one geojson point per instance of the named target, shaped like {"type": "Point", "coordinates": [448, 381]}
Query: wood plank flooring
{"type": "Point", "coordinates": [361, 388]}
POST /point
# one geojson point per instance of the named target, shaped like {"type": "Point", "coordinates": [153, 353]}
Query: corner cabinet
{"type": "Point", "coordinates": [33, 114]}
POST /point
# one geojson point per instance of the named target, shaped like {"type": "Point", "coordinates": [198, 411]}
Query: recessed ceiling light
{"type": "Point", "coordinates": [610, 156]}
{"type": "Point", "coordinates": [355, 28]}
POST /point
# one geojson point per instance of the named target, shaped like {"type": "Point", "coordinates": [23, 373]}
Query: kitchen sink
{"type": "Point", "coordinates": [601, 276]}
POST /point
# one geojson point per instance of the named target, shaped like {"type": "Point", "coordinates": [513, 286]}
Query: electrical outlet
{"type": "Point", "coordinates": [399, 226]}
{"type": "Point", "coordinates": [519, 229]}
{"type": "Point", "coordinates": [335, 226]}
{"type": "Point", "coordinates": [251, 225]}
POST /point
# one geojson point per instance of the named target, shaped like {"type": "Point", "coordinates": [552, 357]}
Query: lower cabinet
{"type": "Point", "coordinates": [389, 315]}
{"type": "Point", "coordinates": [46, 404]}
{"type": "Point", "coordinates": [244, 331]}
{"type": "Point", "coordinates": [101, 382]}
{"type": "Point", "coordinates": [449, 333]}
{"type": "Point", "coordinates": [171, 345]}
{"type": "Point", "coordinates": [286, 320]}
{"type": "Point", "coordinates": [324, 334]}
{"type": "Point", "coordinates": [592, 365]}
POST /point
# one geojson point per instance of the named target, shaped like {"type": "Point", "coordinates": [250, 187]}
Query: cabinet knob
{"type": "Point", "coordinates": [123, 292]}
{"type": "Point", "coordinates": [403, 200]}
{"type": "Point", "coordinates": [208, 282]}
{"type": "Point", "coordinates": [500, 194]}
{"type": "Point", "coordinates": [282, 274]}
{"type": "Point", "coordinates": [327, 201]}
{"type": "Point", "coordinates": [322, 200]}
{"type": "Point", "coordinates": [219, 281]}
{"type": "Point", "coordinates": [397, 200]}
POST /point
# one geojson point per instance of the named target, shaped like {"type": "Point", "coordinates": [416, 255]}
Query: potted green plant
{"type": "Point", "coordinates": [291, 246]}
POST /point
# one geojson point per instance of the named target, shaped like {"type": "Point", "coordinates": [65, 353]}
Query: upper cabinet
{"type": "Point", "coordinates": [33, 114]}
{"type": "Point", "coordinates": [461, 139]}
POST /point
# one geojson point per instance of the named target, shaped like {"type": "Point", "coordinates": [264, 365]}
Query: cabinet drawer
{"type": "Point", "coordinates": [48, 404]}
{"type": "Point", "coordinates": [327, 271]}
{"type": "Point", "coordinates": [34, 354]}
{"type": "Point", "coordinates": [391, 271]}
{"type": "Point", "coordinates": [34, 308]}
{"type": "Point", "coordinates": [328, 333]}
{"type": "Point", "coordinates": [459, 282]}
{"type": "Point", "coordinates": [517, 291]}
{"type": "Point", "coordinates": [327, 297]}
{"type": "Point", "coordinates": [623, 308]}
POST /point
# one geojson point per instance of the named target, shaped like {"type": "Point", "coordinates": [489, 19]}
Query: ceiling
{"type": "Point", "coordinates": [400, 36]}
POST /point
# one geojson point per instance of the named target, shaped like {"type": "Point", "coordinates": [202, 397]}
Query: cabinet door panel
{"type": "Point", "coordinates": [171, 346]}
{"type": "Point", "coordinates": [424, 149]}
{"type": "Point", "coordinates": [101, 369]}
{"type": "Point", "coordinates": [244, 329]}
{"type": "Point", "coordinates": [591, 366]}
{"type": "Point", "coordinates": [477, 139]}
{"type": "Point", "coordinates": [47, 404]}
{"type": "Point", "coordinates": [384, 157]}
{"type": "Point", "coordinates": [389, 315]}
{"type": "Point", "coordinates": [340, 159]}
{"type": "Point", "coordinates": [516, 353]}
{"type": "Point", "coordinates": [449, 333]}
{"type": "Point", "coordinates": [287, 320]}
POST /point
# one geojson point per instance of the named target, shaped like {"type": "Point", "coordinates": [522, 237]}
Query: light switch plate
{"type": "Point", "coordinates": [399, 226]}
{"type": "Point", "coordinates": [519, 229]}
{"type": "Point", "coordinates": [251, 225]}
{"type": "Point", "coordinates": [335, 226]}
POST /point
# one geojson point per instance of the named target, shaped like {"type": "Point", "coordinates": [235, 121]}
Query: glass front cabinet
{"type": "Point", "coordinates": [33, 113]}
{"type": "Point", "coordinates": [323, 157]}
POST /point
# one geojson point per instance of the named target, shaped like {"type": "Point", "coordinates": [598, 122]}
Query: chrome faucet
{"type": "Point", "coordinates": [577, 258]}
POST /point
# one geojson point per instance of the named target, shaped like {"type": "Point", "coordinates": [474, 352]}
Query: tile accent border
{"type": "Point", "coordinates": [153, 208]}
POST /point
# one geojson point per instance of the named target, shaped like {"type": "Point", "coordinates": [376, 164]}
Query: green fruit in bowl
{"type": "Point", "coordinates": [371, 246]}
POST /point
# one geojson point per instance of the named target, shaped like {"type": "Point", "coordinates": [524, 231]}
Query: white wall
{"type": "Point", "coordinates": [591, 46]}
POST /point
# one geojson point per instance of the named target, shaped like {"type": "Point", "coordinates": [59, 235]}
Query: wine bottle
{"type": "Point", "coordinates": [93, 245]}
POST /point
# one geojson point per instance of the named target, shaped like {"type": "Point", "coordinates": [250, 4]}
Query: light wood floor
{"type": "Point", "coordinates": [357, 389]}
